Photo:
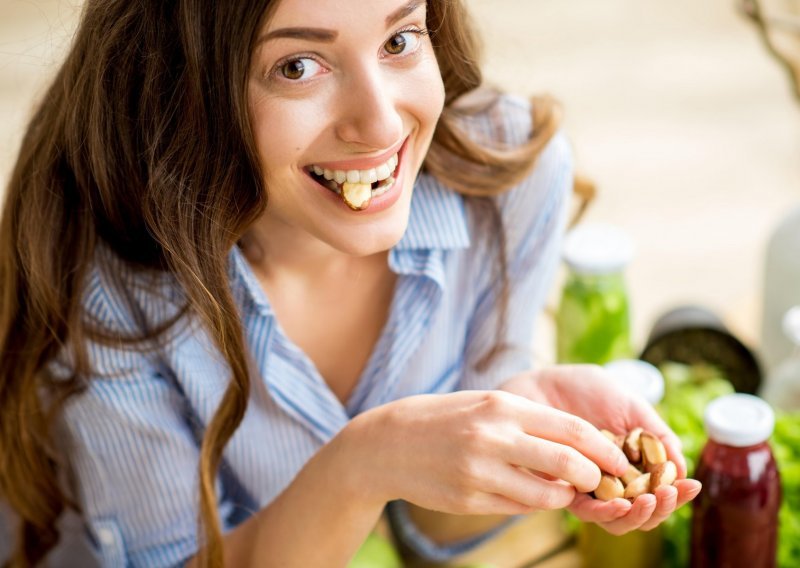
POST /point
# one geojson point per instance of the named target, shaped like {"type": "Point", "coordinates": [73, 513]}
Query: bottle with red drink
{"type": "Point", "coordinates": [735, 517]}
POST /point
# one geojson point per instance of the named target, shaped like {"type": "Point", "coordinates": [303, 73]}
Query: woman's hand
{"type": "Point", "coordinates": [477, 452]}
{"type": "Point", "coordinates": [587, 391]}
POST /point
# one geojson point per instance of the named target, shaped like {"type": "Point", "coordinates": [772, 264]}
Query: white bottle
{"type": "Point", "coordinates": [781, 288]}
{"type": "Point", "coordinates": [639, 377]}
{"type": "Point", "coordinates": [782, 389]}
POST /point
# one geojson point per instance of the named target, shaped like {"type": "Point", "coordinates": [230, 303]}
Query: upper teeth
{"type": "Point", "coordinates": [359, 176]}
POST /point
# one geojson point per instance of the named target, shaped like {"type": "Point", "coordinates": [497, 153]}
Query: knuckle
{"type": "Point", "coordinates": [495, 401]}
{"type": "Point", "coordinates": [476, 437]}
{"type": "Point", "coordinates": [562, 463]}
{"type": "Point", "coordinates": [546, 498]}
{"type": "Point", "coordinates": [575, 429]}
{"type": "Point", "coordinates": [468, 476]}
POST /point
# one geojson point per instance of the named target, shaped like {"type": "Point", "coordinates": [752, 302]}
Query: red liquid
{"type": "Point", "coordinates": [735, 517]}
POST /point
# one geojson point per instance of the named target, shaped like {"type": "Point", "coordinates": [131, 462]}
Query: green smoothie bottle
{"type": "Point", "coordinates": [593, 320]}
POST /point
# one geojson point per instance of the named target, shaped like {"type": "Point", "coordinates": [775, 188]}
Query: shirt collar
{"type": "Point", "coordinates": [437, 221]}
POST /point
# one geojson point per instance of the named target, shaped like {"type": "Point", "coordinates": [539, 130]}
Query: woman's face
{"type": "Point", "coordinates": [348, 90]}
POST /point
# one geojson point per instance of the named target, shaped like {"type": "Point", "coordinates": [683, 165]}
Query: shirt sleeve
{"type": "Point", "coordinates": [132, 452]}
{"type": "Point", "coordinates": [534, 215]}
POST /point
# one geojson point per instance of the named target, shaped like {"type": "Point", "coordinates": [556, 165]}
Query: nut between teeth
{"type": "Point", "coordinates": [356, 195]}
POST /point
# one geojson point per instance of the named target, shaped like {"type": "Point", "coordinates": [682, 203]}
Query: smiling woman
{"type": "Point", "coordinates": [274, 266]}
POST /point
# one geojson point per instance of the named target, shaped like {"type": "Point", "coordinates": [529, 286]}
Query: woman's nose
{"type": "Point", "coordinates": [369, 116]}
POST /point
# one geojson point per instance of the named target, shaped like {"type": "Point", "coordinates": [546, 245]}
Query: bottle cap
{"type": "Point", "coordinates": [594, 248]}
{"type": "Point", "coordinates": [739, 420]}
{"type": "Point", "coordinates": [639, 376]}
{"type": "Point", "coordinates": [791, 325]}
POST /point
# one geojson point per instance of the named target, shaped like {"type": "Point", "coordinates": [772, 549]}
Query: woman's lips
{"type": "Point", "coordinates": [381, 194]}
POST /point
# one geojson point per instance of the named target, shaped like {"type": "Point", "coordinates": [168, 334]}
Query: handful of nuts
{"type": "Point", "coordinates": [649, 467]}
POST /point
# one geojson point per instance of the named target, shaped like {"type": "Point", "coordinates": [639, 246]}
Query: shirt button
{"type": "Point", "coordinates": [106, 536]}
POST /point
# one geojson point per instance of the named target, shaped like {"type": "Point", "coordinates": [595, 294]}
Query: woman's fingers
{"type": "Point", "coordinates": [553, 460]}
{"type": "Point", "coordinates": [667, 501]}
{"type": "Point", "coordinates": [541, 421]}
{"type": "Point", "coordinates": [531, 490]}
{"type": "Point", "coordinates": [688, 489]}
{"type": "Point", "coordinates": [592, 510]}
{"type": "Point", "coordinates": [647, 512]}
{"type": "Point", "coordinates": [641, 510]}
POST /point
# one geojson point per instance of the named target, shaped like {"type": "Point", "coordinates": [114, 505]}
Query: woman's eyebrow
{"type": "Point", "coordinates": [323, 35]}
{"type": "Point", "coordinates": [312, 34]}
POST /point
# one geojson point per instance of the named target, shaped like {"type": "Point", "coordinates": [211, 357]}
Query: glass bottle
{"type": "Point", "coordinates": [735, 517]}
{"type": "Point", "coordinates": [782, 387]}
{"type": "Point", "coordinates": [593, 319]}
{"type": "Point", "coordinates": [781, 287]}
{"type": "Point", "coordinates": [636, 549]}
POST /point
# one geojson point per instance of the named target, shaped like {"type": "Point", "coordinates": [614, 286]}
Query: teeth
{"type": "Point", "coordinates": [383, 171]}
{"type": "Point", "coordinates": [372, 175]}
{"type": "Point", "coordinates": [384, 188]}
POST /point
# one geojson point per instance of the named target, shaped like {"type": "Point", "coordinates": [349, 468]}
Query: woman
{"type": "Point", "coordinates": [267, 265]}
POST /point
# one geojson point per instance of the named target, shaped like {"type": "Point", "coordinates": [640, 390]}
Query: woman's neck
{"type": "Point", "coordinates": [281, 254]}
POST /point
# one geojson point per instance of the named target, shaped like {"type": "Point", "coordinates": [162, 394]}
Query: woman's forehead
{"type": "Point", "coordinates": [338, 14]}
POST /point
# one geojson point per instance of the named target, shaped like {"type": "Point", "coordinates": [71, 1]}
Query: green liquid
{"type": "Point", "coordinates": [593, 321]}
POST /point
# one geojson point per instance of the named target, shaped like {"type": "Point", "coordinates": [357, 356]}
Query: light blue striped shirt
{"type": "Point", "coordinates": [132, 439]}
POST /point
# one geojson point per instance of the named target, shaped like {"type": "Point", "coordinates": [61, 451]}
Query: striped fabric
{"type": "Point", "coordinates": [133, 438]}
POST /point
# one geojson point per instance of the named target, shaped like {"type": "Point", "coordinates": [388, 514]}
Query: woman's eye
{"type": "Point", "coordinates": [299, 68]}
{"type": "Point", "coordinates": [401, 42]}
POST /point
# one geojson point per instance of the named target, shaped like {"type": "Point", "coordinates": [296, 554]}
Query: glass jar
{"type": "Point", "coordinates": [782, 387]}
{"type": "Point", "coordinates": [593, 319]}
{"type": "Point", "coordinates": [735, 517]}
{"type": "Point", "coordinates": [781, 288]}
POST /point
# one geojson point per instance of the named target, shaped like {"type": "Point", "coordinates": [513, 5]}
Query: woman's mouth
{"type": "Point", "coordinates": [357, 187]}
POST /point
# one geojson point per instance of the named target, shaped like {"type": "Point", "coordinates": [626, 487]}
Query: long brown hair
{"type": "Point", "coordinates": [143, 142]}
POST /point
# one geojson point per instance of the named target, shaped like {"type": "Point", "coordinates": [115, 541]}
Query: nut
{"type": "Point", "coordinates": [630, 475]}
{"type": "Point", "coordinates": [648, 469]}
{"type": "Point", "coordinates": [356, 195]}
{"type": "Point", "coordinates": [653, 449]}
{"type": "Point", "coordinates": [631, 447]}
{"type": "Point", "coordinates": [663, 474]}
{"type": "Point", "coordinates": [610, 488]}
{"type": "Point", "coordinates": [638, 486]}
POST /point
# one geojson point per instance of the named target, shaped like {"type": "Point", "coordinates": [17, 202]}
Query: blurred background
{"type": "Point", "coordinates": [676, 112]}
